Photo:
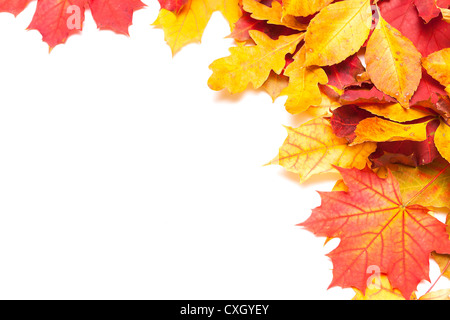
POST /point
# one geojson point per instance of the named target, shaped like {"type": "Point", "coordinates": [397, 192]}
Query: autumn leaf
{"type": "Point", "coordinates": [114, 15]}
{"type": "Point", "coordinates": [51, 17]}
{"type": "Point", "coordinates": [346, 73]}
{"type": "Point", "coordinates": [187, 26]}
{"type": "Point", "coordinates": [364, 95]}
{"type": "Point", "coordinates": [337, 32]}
{"type": "Point", "coordinates": [443, 294]}
{"type": "Point", "coordinates": [313, 148]}
{"type": "Point", "coordinates": [442, 139]}
{"type": "Point", "coordinates": [377, 227]}
{"type": "Point", "coordinates": [438, 66]}
{"type": "Point", "coordinates": [304, 8]}
{"type": "Point", "coordinates": [15, 7]}
{"type": "Point", "coordinates": [428, 185]}
{"type": "Point", "coordinates": [393, 63]}
{"type": "Point", "coordinates": [426, 37]}
{"type": "Point", "coordinates": [303, 90]}
{"type": "Point", "coordinates": [273, 14]}
{"type": "Point", "coordinates": [57, 20]}
{"type": "Point", "coordinates": [379, 289]}
{"type": "Point", "coordinates": [379, 130]}
{"type": "Point", "coordinates": [252, 64]}
{"type": "Point", "coordinates": [396, 112]}
{"type": "Point", "coordinates": [410, 153]}
{"type": "Point", "coordinates": [172, 5]}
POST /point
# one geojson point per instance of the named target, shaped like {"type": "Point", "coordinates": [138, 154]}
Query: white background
{"type": "Point", "coordinates": [123, 176]}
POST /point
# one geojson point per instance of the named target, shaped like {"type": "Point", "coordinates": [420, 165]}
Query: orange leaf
{"type": "Point", "coordinates": [377, 228]}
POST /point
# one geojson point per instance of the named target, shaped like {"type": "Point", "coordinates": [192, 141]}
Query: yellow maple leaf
{"type": "Point", "coordinates": [304, 8]}
{"type": "Point", "coordinates": [379, 130]}
{"type": "Point", "coordinates": [337, 32]}
{"type": "Point", "coordinates": [303, 90]}
{"type": "Point", "coordinates": [273, 14]}
{"type": "Point", "coordinates": [252, 64]}
{"type": "Point", "coordinates": [188, 25]}
{"type": "Point", "coordinates": [393, 63]}
{"type": "Point", "coordinates": [313, 148]}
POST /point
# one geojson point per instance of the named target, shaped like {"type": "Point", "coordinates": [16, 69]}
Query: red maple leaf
{"type": "Point", "coordinates": [14, 7]}
{"type": "Point", "coordinates": [57, 20]}
{"type": "Point", "coordinates": [377, 228]}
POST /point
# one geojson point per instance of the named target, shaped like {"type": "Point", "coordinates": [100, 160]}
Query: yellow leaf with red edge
{"type": "Point", "coordinates": [252, 64]}
{"type": "Point", "coordinates": [304, 8]}
{"type": "Point", "coordinates": [337, 32]}
{"type": "Point", "coordinates": [393, 63]}
{"type": "Point", "coordinates": [313, 148]}
{"type": "Point", "coordinates": [379, 130]}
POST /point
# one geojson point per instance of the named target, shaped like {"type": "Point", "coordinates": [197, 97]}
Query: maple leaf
{"type": "Point", "coordinates": [188, 24]}
{"type": "Point", "coordinates": [337, 32]}
{"type": "Point", "coordinates": [252, 64]}
{"type": "Point", "coordinates": [377, 228]}
{"type": "Point", "coordinates": [53, 18]}
{"type": "Point", "coordinates": [313, 148]}
{"type": "Point", "coordinates": [393, 63]}
{"type": "Point", "coordinates": [15, 7]}
{"type": "Point", "coordinates": [114, 15]}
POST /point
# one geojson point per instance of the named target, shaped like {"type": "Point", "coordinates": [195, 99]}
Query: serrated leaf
{"type": "Point", "coordinates": [313, 148]}
{"type": "Point", "coordinates": [252, 64]}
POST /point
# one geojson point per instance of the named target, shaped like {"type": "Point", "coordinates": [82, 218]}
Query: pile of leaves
{"type": "Point", "coordinates": [375, 78]}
